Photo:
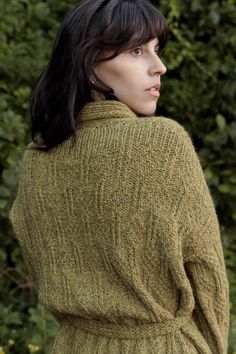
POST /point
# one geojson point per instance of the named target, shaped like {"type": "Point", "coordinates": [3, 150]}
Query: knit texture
{"type": "Point", "coordinates": [121, 238]}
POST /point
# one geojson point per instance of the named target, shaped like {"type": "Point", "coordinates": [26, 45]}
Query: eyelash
{"type": "Point", "coordinates": [139, 48]}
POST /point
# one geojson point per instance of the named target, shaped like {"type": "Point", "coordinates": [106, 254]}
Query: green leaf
{"type": "Point", "coordinates": [9, 177]}
{"type": "Point", "coordinates": [215, 17]}
{"type": "Point", "coordinates": [13, 318]}
{"type": "Point", "coordinates": [220, 120]}
{"type": "Point", "coordinates": [227, 188]}
{"type": "Point", "coordinates": [3, 203]}
{"type": "Point", "coordinates": [4, 192]}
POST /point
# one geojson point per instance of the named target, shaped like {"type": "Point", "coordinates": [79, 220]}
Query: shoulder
{"type": "Point", "coordinates": [165, 131]}
{"type": "Point", "coordinates": [164, 123]}
{"type": "Point", "coordinates": [152, 133]}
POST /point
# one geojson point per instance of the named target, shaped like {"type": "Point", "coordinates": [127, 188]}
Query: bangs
{"type": "Point", "coordinates": [132, 23]}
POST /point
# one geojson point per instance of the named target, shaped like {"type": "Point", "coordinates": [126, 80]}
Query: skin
{"type": "Point", "coordinates": [131, 73]}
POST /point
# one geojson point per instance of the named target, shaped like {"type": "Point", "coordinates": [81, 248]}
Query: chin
{"type": "Point", "coordinates": [146, 109]}
{"type": "Point", "coordinates": [143, 108]}
{"type": "Point", "coordinates": [149, 112]}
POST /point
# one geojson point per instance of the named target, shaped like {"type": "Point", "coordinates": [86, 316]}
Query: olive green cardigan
{"type": "Point", "coordinates": [121, 238]}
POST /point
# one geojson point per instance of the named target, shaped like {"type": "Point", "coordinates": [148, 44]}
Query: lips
{"type": "Point", "coordinates": [154, 92]}
{"type": "Point", "coordinates": [157, 86]}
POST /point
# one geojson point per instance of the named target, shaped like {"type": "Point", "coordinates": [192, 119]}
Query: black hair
{"type": "Point", "coordinates": [87, 32]}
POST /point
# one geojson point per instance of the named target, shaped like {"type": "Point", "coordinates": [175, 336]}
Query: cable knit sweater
{"type": "Point", "coordinates": [121, 238]}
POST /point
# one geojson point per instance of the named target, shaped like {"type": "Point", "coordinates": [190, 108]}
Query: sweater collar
{"type": "Point", "coordinates": [104, 109]}
{"type": "Point", "coordinates": [97, 110]}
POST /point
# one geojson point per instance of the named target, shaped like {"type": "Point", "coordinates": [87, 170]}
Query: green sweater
{"type": "Point", "coordinates": [121, 238]}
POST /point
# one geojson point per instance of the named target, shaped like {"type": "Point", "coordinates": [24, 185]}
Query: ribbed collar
{"type": "Point", "coordinates": [99, 110]}
{"type": "Point", "coordinates": [104, 109]}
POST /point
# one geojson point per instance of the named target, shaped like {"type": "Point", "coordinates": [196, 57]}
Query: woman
{"type": "Point", "coordinates": [118, 230]}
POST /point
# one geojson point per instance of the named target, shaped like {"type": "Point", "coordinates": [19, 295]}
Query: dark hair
{"type": "Point", "coordinates": [90, 29]}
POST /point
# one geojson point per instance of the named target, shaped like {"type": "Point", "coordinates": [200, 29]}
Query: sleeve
{"type": "Point", "coordinates": [202, 248]}
{"type": "Point", "coordinates": [26, 246]}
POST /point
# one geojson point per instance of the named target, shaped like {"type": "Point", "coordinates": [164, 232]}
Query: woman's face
{"type": "Point", "coordinates": [130, 74]}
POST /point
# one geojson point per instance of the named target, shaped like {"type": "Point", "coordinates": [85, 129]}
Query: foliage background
{"type": "Point", "coordinates": [199, 91]}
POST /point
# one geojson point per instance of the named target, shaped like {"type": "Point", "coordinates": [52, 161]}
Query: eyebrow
{"type": "Point", "coordinates": [157, 45]}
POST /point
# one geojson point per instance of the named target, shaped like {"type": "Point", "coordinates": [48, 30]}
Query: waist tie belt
{"type": "Point", "coordinates": [124, 331]}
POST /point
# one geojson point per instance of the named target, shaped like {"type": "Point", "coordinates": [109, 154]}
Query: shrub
{"type": "Point", "coordinates": [198, 91]}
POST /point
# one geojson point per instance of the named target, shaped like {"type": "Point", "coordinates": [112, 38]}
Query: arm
{"type": "Point", "coordinates": [202, 249]}
{"type": "Point", "coordinates": [20, 231]}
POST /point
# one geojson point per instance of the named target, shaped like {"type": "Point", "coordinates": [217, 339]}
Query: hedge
{"type": "Point", "coordinates": [198, 90]}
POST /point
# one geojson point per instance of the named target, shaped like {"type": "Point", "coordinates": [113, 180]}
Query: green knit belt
{"type": "Point", "coordinates": [114, 330]}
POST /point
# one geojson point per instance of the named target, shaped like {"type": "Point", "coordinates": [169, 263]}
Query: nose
{"type": "Point", "coordinates": [158, 67]}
